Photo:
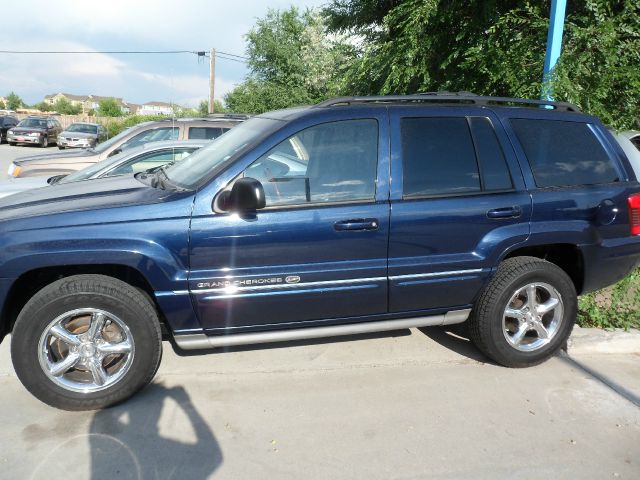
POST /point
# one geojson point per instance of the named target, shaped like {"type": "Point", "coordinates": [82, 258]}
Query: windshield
{"type": "Point", "coordinates": [105, 145]}
{"type": "Point", "coordinates": [206, 161]}
{"type": "Point", "coordinates": [33, 123]}
{"type": "Point", "coordinates": [89, 172]}
{"type": "Point", "coordinates": [82, 128]}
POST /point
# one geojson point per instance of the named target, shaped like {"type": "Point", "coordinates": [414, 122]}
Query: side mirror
{"type": "Point", "coordinates": [247, 195]}
{"type": "Point", "coordinates": [115, 152]}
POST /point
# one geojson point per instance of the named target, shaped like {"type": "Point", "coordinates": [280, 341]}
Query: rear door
{"type": "Point", "coordinates": [457, 202]}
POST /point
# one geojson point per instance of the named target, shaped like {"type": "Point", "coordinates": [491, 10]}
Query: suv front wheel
{"type": "Point", "coordinates": [525, 314]}
{"type": "Point", "coordinates": [86, 342]}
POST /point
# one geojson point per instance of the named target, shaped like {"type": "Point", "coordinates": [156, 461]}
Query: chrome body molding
{"type": "Point", "coordinates": [202, 341]}
{"type": "Point", "coordinates": [436, 274]}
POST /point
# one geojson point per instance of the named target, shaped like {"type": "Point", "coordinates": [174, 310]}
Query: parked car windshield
{"type": "Point", "coordinates": [89, 172]}
{"type": "Point", "coordinates": [82, 128]}
{"type": "Point", "coordinates": [33, 123]}
{"type": "Point", "coordinates": [210, 159]}
{"type": "Point", "coordinates": [105, 145]}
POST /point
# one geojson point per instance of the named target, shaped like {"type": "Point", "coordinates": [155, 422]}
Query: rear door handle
{"type": "Point", "coordinates": [505, 212]}
{"type": "Point", "coordinates": [357, 224]}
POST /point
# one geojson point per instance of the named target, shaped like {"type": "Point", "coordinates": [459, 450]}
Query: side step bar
{"type": "Point", "coordinates": [201, 341]}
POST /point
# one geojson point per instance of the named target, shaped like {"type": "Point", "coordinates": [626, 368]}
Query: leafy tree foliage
{"type": "Point", "coordinates": [109, 107]}
{"type": "Point", "coordinates": [2, 105]}
{"type": "Point", "coordinates": [495, 47]}
{"type": "Point", "coordinates": [42, 106]}
{"type": "Point", "coordinates": [203, 107]}
{"type": "Point", "coordinates": [292, 61]}
{"type": "Point", "coordinates": [64, 106]}
{"type": "Point", "coordinates": [14, 101]}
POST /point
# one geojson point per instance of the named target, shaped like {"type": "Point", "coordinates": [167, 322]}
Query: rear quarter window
{"type": "Point", "coordinates": [564, 153]}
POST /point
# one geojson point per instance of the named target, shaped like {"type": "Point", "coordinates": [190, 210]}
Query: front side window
{"type": "Point", "coordinates": [331, 162]}
{"type": "Point", "coordinates": [563, 153]}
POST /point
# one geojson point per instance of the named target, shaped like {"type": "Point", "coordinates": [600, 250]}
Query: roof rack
{"type": "Point", "coordinates": [449, 98]}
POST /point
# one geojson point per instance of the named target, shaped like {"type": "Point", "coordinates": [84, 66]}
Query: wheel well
{"type": "Point", "coordinates": [31, 282]}
{"type": "Point", "coordinates": [566, 256]}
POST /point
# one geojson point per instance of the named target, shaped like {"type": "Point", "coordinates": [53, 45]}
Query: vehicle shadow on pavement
{"type": "Point", "coordinates": [455, 338]}
{"type": "Point", "coordinates": [158, 434]}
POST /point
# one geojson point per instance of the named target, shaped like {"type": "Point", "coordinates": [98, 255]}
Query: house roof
{"type": "Point", "coordinates": [70, 96]}
{"type": "Point", "coordinates": [158, 104]}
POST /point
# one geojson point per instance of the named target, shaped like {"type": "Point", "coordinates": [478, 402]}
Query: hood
{"type": "Point", "coordinates": [28, 129]}
{"type": "Point", "coordinates": [77, 135]}
{"type": "Point", "coordinates": [103, 193]}
{"type": "Point", "coordinates": [16, 185]}
{"type": "Point", "coordinates": [55, 157]}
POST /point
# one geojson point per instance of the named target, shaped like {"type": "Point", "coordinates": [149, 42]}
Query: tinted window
{"type": "Point", "coordinates": [438, 157]}
{"type": "Point", "coordinates": [493, 167]}
{"type": "Point", "coordinates": [206, 133]}
{"type": "Point", "coordinates": [636, 142]}
{"type": "Point", "coordinates": [332, 162]}
{"type": "Point", "coordinates": [563, 153]}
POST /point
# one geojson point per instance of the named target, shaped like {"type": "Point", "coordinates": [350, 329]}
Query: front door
{"type": "Point", "coordinates": [317, 253]}
{"type": "Point", "coordinates": [459, 202]}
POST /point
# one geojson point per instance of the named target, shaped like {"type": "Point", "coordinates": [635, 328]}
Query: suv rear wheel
{"type": "Point", "coordinates": [86, 342]}
{"type": "Point", "coordinates": [525, 314]}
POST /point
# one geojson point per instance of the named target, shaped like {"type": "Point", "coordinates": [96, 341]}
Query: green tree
{"type": "Point", "coordinates": [14, 101]}
{"type": "Point", "coordinates": [64, 106]}
{"type": "Point", "coordinates": [495, 47]}
{"type": "Point", "coordinates": [42, 106]}
{"type": "Point", "coordinates": [109, 107]}
{"type": "Point", "coordinates": [203, 107]}
{"type": "Point", "coordinates": [292, 61]}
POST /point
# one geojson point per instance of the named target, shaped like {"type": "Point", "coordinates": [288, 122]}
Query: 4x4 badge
{"type": "Point", "coordinates": [292, 279]}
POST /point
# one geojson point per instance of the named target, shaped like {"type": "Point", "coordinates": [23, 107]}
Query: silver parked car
{"type": "Point", "coordinates": [149, 156]}
{"type": "Point", "coordinates": [81, 135]}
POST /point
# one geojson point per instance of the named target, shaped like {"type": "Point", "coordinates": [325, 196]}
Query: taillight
{"type": "Point", "coordinates": [634, 214]}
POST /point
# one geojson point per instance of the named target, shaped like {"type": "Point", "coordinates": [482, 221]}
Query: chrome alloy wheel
{"type": "Point", "coordinates": [86, 350]}
{"type": "Point", "coordinates": [533, 316]}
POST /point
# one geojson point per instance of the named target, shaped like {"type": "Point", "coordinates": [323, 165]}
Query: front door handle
{"type": "Point", "coordinates": [505, 212]}
{"type": "Point", "coordinates": [357, 224]}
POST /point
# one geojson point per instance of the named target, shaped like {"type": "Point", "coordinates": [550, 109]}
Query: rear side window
{"type": "Point", "coordinates": [205, 133]}
{"type": "Point", "coordinates": [563, 153]}
{"type": "Point", "coordinates": [493, 166]}
{"type": "Point", "coordinates": [438, 157]}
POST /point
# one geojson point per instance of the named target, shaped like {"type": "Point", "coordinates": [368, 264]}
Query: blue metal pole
{"type": "Point", "coordinates": [554, 46]}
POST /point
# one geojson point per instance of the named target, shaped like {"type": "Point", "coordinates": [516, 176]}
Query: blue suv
{"type": "Point", "coordinates": [359, 214]}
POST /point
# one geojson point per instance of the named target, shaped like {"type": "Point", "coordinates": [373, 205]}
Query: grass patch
{"type": "Point", "coordinates": [617, 306]}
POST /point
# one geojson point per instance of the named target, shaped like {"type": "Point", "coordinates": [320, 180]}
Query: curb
{"type": "Point", "coordinates": [596, 340]}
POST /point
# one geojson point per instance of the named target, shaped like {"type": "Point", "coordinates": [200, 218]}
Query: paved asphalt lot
{"type": "Point", "coordinates": [408, 405]}
{"type": "Point", "coordinates": [8, 153]}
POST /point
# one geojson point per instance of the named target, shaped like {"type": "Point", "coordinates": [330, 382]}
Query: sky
{"type": "Point", "coordinates": [92, 25]}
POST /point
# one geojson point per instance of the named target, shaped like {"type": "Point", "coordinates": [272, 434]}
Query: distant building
{"type": "Point", "coordinates": [86, 102]}
{"type": "Point", "coordinates": [134, 108]}
{"type": "Point", "coordinates": [158, 108]}
{"type": "Point", "coordinates": [3, 100]}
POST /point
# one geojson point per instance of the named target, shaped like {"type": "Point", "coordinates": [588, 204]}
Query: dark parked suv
{"type": "Point", "coordinates": [6, 122]}
{"type": "Point", "coordinates": [354, 215]}
{"type": "Point", "coordinates": [35, 130]}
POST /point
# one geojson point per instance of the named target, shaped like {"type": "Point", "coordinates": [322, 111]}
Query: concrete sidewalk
{"type": "Point", "coordinates": [418, 405]}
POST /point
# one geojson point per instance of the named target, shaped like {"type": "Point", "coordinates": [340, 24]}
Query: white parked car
{"type": "Point", "coordinates": [145, 157]}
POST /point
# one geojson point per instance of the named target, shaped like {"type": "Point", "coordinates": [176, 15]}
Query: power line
{"type": "Point", "coordinates": [223, 55]}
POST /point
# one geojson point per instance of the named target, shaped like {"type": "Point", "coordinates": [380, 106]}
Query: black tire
{"type": "Point", "coordinates": [82, 292]}
{"type": "Point", "coordinates": [45, 142]}
{"type": "Point", "coordinates": [486, 326]}
{"type": "Point", "coordinates": [61, 148]}
{"type": "Point", "coordinates": [13, 144]}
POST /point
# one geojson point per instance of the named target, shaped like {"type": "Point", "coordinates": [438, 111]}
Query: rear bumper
{"type": "Point", "coordinates": [609, 262]}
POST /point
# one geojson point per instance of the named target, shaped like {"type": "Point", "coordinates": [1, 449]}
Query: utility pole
{"type": "Point", "coordinates": [554, 46]}
{"type": "Point", "coordinates": [212, 80]}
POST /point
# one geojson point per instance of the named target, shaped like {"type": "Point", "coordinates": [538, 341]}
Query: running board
{"type": "Point", "coordinates": [201, 341]}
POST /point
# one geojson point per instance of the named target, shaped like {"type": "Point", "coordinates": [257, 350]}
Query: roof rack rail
{"type": "Point", "coordinates": [449, 98]}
